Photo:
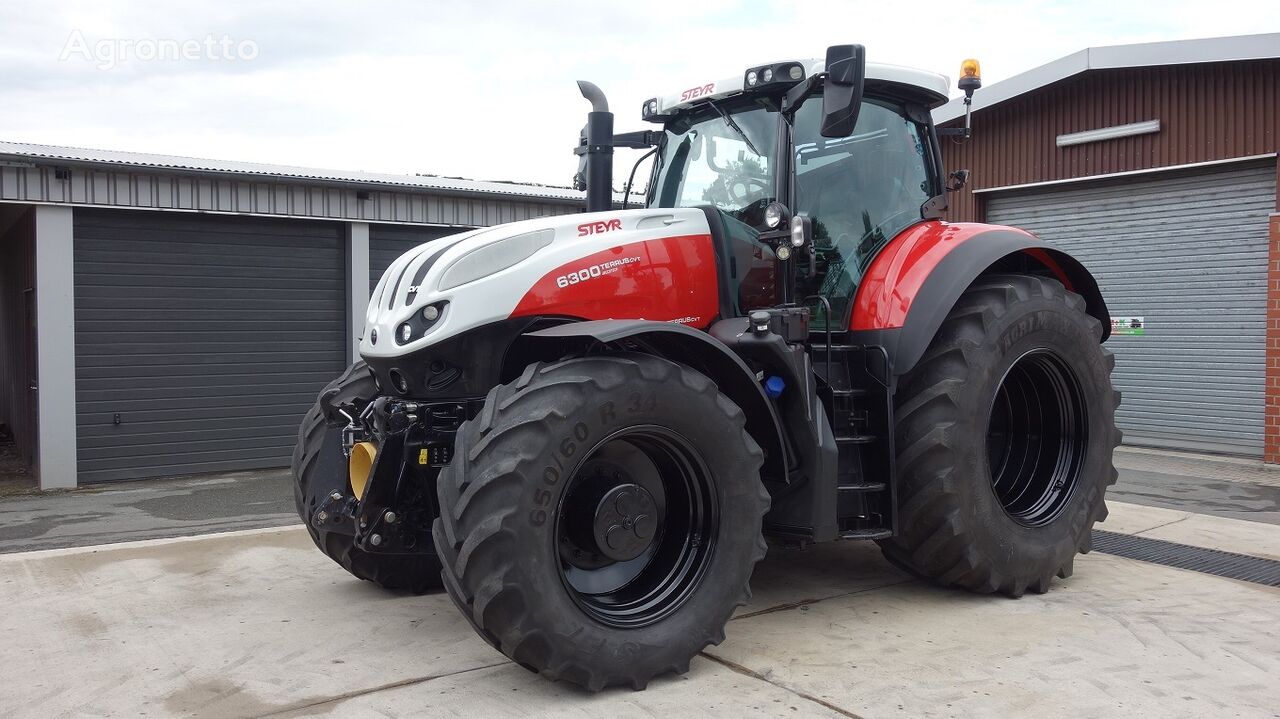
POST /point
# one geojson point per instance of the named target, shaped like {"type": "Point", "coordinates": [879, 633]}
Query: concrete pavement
{"type": "Point", "coordinates": [1220, 486]}
{"type": "Point", "coordinates": [258, 623]}
{"type": "Point", "coordinates": [146, 509]}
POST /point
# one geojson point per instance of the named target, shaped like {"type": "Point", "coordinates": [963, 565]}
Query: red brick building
{"type": "Point", "coordinates": [1156, 165]}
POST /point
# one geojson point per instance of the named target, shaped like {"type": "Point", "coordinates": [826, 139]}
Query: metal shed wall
{"type": "Point", "coordinates": [208, 336]}
{"type": "Point", "coordinates": [1208, 111]}
{"type": "Point", "coordinates": [1187, 251]}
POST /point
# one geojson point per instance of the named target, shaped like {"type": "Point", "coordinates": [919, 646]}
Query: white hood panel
{"type": "Point", "coordinates": [412, 281]}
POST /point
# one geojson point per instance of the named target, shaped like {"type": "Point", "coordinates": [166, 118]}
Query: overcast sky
{"type": "Point", "coordinates": [481, 89]}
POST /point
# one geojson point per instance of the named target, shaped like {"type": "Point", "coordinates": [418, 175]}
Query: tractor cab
{"type": "Point", "coordinates": [810, 166]}
{"type": "Point", "coordinates": [756, 153]}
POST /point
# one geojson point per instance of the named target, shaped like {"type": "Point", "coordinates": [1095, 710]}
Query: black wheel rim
{"type": "Point", "coordinates": [1036, 438]}
{"type": "Point", "coordinates": [636, 526]}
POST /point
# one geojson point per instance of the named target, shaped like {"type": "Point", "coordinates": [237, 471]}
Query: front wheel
{"type": "Point", "coordinates": [1005, 432]}
{"type": "Point", "coordinates": [601, 518]}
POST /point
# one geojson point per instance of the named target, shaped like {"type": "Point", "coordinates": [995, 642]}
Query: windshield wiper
{"type": "Point", "coordinates": [729, 121]}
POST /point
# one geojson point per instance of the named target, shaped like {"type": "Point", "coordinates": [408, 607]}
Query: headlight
{"type": "Point", "coordinates": [774, 215]}
{"type": "Point", "coordinates": [494, 257]}
{"type": "Point", "coordinates": [801, 231]}
{"type": "Point", "coordinates": [418, 325]}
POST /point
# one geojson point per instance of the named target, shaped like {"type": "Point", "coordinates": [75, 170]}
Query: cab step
{"type": "Point", "coordinates": [866, 534]}
{"type": "Point", "coordinates": [862, 487]}
{"type": "Point", "coordinates": [856, 438]}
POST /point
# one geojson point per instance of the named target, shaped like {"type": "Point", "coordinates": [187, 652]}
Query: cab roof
{"type": "Point", "coordinates": [929, 88]}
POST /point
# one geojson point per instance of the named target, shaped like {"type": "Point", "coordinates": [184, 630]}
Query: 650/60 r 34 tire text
{"type": "Point", "coordinates": [601, 518]}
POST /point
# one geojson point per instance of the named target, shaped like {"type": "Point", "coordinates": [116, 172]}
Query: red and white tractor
{"type": "Point", "coordinates": [585, 427]}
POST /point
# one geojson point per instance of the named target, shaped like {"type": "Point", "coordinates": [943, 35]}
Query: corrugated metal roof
{"type": "Point", "coordinates": [1147, 54]}
{"type": "Point", "coordinates": [11, 150]}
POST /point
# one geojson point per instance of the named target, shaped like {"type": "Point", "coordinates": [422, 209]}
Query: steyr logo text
{"type": "Point", "coordinates": [693, 92]}
{"type": "Point", "coordinates": [595, 228]}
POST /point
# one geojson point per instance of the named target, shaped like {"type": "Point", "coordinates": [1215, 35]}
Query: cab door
{"type": "Point", "coordinates": [860, 191]}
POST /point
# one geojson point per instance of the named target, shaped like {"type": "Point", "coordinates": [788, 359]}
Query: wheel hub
{"type": "Point", "coordinates": [625, 521]}
{"type": "Point", "coordinates": [636, 526]}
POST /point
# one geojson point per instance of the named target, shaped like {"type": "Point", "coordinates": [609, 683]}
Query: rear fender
{"type": "Point", "coordinates": [679, 344]}
{"type": "Point", "coordinates": [917, 278]}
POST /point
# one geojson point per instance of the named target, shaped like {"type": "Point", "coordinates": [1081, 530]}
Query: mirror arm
{"type": "Point", "coordinates": [637, 140]}
{"type": "Point", "coordinates": [801, 92]}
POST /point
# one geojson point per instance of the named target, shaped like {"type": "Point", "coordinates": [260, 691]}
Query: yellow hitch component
{"type": "Point", "coordinates": [360, 466]}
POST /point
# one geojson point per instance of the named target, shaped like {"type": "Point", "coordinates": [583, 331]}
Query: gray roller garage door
{"type": "Point", "coordinates": [1188, 253]}
{"type": "Point", "coordinates": [388, 242]}
{"type": "Point", "coordinates": [201, 340]}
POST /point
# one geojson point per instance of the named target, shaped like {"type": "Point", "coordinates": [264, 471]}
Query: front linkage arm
{"type": "Point", "coordinates": [394, 513]}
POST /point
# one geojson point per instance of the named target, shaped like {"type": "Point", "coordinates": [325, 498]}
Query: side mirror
{"type": "Point", "coordinates": [957, 180]}
{"type": "Point", "coordinates": [842, 96]}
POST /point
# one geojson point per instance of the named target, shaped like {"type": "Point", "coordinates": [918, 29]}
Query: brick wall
{"type": "Point", "coordinates": [1271, 447]}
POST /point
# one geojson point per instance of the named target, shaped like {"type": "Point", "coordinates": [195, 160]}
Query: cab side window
{"type": "Point", "coordinates": [860, 191]}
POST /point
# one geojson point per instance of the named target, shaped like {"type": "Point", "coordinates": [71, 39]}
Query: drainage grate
{"type": "Point", "coordinates": [1196, 559]}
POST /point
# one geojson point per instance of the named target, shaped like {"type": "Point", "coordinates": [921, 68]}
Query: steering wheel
{"type": "Point", "coordinates": [742, 190]}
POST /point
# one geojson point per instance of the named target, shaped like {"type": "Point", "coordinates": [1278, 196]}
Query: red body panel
{"type": "Point", "coordinates": [672, 279]}
{"type": "Point", "coordinates": [895, 276]}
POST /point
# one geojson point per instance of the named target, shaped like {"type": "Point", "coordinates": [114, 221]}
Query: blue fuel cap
{"type": "Point", "coordinates": [774, 386]}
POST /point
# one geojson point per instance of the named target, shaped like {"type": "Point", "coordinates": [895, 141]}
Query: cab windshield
{"type": "Point", "coordinates": [720, 156]}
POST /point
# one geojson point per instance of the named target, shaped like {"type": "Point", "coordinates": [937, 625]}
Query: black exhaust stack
{"type": "Point", "coordinates": [595, 151]}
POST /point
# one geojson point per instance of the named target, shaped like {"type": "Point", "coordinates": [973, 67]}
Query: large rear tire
{"type": "Point", "coordinates": [1005, 432]}
{"type": "Point", "coordinates": [319, 467]}
{"type": "Point", "coordinates": [601, 518]}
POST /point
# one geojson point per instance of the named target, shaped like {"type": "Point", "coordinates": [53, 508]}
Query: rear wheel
{"type": "Point", "coordinates": [601, 518]}
{"type": "Point", "coordinates": [1005, 432]}
{"type": "Point", "coordinates": [319, 468]}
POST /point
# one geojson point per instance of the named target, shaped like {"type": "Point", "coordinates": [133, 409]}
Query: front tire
{"type": "Point", "coordinates": [1004, 433]}
{"type": "Point", "coordinates": [601, 518]}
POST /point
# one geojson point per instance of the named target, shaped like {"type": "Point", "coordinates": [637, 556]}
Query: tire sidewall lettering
{"type": "Point", "coordinates": [565, 451]}
{"type": "Point", "coordinates": [638, 402]}
{"type": "Point", "coordinates": [1053, 323]}
{"type": "Point", "coordinates": [575, 442]}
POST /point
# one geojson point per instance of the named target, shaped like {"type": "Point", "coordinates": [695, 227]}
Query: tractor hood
{"type": "Point", "coordinates": [448, 286]}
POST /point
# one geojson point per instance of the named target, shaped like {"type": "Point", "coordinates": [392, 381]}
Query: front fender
{"type": "Point", "coordinates": [913, 283]}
